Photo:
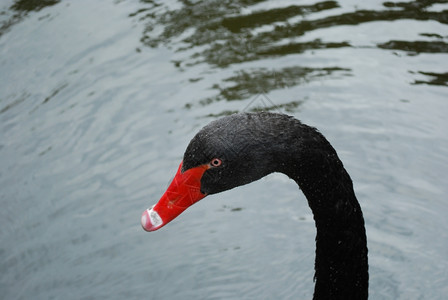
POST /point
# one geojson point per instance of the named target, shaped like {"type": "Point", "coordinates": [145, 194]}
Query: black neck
{"type": "Point", "coordinates": [255, 145]}
{"type": "Point", "coordinates": [341, 247]}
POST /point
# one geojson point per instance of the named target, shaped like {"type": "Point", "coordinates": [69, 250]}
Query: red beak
{"type": "Point", "coordinates": [184, 191]}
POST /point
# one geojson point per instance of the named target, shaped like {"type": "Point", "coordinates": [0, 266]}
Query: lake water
{"type": "Point", "coordinates": [99, 99]}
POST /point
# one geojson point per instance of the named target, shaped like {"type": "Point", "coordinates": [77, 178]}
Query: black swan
{"type": "Point", "coordinates": [245, 147]}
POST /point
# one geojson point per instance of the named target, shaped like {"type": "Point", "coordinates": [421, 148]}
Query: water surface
{"type": "Point", "coordinates": [98, 101]}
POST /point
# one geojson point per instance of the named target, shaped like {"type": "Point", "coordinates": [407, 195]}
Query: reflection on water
{"type": "Point", "coordinates": [98, 101]}
{"type": "Point", "coordinates": [228, 33]}
{"type": "Point", "coordinates": [20, 9]}
{"type": "Point", "coordinates": [437, 79]}
{"type": "Point", "coordinates": [417, 46]}
{"type": "Point", "coordinates": [258, 81]}
{"type": "Point", "coordinates": [223, 33]}
{"type": "Point", "coordinates": [230, 39]}
{"type": "Point", "coordinates": [26, 6]}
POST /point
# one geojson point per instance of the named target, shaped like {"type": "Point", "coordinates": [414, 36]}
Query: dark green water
{"type": "Point", "coordinates": [99, 99]}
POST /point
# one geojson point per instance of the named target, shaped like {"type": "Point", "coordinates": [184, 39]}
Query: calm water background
{"type": "Point", "coordinates": [98, 100]}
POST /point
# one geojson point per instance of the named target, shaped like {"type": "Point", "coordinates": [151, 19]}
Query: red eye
{"type": "Point", "coordinates": [216, 162]}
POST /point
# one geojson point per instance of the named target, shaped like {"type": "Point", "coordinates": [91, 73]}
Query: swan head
{"type": "Point", "coordinates": [226, 153]}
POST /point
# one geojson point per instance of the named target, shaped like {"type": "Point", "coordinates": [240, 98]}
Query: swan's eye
{"type": "Point", "coordinates": [216, 162]}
